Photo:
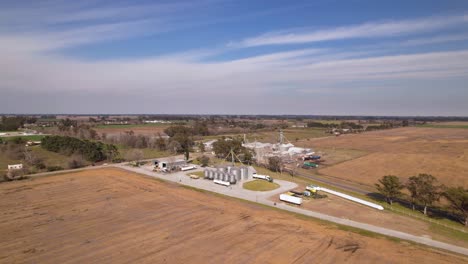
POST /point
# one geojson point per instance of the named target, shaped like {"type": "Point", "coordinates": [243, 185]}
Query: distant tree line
{"type": "Point", "coordinates": [91, 150]}
{"type": "Point", "coordinates": [342, 125]}
{"type": "Point", "coordinates": [424, 191]}
{"type": "Point", "coordinates": [15, 122]}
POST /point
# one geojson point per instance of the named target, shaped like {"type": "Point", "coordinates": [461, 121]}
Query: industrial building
{"type": "Point", "coordinates": [286, 151]}
{"type": "Point", "coordinates": [169, 165]}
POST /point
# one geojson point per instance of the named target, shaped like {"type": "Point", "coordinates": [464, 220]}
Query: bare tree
{"type": "Point", "coordinates": [134, 155]}
{"type": "Point", "coordinates": [76, 161]}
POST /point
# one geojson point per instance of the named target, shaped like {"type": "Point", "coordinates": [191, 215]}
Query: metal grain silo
{"type": "Point", "coordinates": [244, 173]}
{"type": "Point", "coordinates": [232, 179]}
{"type": "Point", "coordinates": [237, 174]}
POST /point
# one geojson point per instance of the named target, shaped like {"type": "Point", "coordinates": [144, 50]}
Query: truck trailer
{"type": "Point", "coordinates": [186, 168]}
{"type": "Point", "coordinates": [290, 199]}
{"type": "Point", "coordinates": [262, 177]}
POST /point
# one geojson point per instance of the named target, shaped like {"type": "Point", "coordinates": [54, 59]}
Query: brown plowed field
{"type": "Point", "coordinates": [112, 216]}
{"type": "Point", "coordinates": [403, 152]}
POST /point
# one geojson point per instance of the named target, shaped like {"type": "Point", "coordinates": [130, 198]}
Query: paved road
{"type": "Point", "coordinates": [262, 197]}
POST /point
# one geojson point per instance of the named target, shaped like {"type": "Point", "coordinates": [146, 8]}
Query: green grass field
{"type": "Point", "coordinates": [200, 174]}
{"type": "Point", "coordinates": [148, 153]}
{"type": "Point", "coordinates": [49, 158]}
{"type": "Point", "coordinates": [260, 185]}
{"type": "Point", "coordinates": [26, 138]}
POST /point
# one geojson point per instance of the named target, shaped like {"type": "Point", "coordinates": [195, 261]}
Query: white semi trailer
{"type": "Point", "coordinates": [186, 168]}
{"type": "Point", "coordinates": [262, 177]}
{"type": "Point", "coordinates": [291, 199]}
{"type": "Point", "coordinates": [220, 182]}
{"type": "Point", "coordinates": [345, 196]}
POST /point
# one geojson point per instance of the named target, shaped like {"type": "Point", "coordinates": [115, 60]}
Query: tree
{"type": "Point", "coordinates": [201, 147]}
{"type": "Point", "coordinates": [111, 151]}
{"type": "Point", "coordinates": [76, 162]}
{"type": "Point", "coordinates": [423, 190]}
{"type": "Point", "coordinates": [32, 159]}
{"type": "Point", "coordinates": [160, 143]}
{"type": "Point", "coordinates": [182, 135]}
{"type": "Point", "coordinates": [458, 198]}
{"type": "Point", "coordinates": [390, 187]}
{"type": "Point", "coordinates": [135, 155]}
{"type": "Point", "coordinates": [275, 164]}
{"type": "Point", "coordinates": [204, 160]}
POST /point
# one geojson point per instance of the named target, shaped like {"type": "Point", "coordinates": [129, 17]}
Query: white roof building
{"type": "Point", "coordinates": [15, 166]}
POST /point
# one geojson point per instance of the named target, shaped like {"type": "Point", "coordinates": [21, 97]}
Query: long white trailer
{"type": "Point", "coordinates": [186, 168]}
{"type": "Point", "coordinates": [291, 199]}
{"type": "Point", "coordinates": [262, 177]}
{"type": "Point", "coordinates": [349, 197]}
{"type": "Point", "coordinates": [225, 183]}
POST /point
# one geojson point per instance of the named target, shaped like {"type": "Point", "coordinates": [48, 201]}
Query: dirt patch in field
{"type": "Point", "coordinates": [112, 216]}
{"type": "Point", "coordinates": [403, 152]}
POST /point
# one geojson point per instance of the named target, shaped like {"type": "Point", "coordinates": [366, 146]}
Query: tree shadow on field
{"type": "Point", "coordinates": [433, 212]}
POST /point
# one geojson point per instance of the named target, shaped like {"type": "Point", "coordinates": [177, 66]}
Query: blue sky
{"type": "Point", "coordinates": [235, 57]}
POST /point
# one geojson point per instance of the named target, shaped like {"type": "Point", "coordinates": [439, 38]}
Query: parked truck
{"type": "Point", "coordinates": [290, 199]}
{"type": "Point", "coordinates": [313, 157]}
{"type": "Point", "coordinates": [309, 164]}
{"type": "Point", "coordinates": [262, 177]}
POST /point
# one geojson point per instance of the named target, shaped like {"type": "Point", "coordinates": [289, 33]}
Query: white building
{"type": "Point", "coordinates": [15, 166]}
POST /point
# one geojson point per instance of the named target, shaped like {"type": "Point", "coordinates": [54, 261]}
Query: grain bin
{"type": "Point", "coordinates": [232, 179]}
{"type": "Point", "coordinates": [244, 173]}
{"type": "Point", "coordinates": [237, 174]}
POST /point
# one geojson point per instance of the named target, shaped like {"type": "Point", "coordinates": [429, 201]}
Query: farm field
{"type": "Point", "coordinates": [143, 129]}
{"type": "Point", "coordinates": [403, 152]}
{"type": "Point", "coordinates": [112, 216]}
{"type": "Point", "coordinates": [462, 125]}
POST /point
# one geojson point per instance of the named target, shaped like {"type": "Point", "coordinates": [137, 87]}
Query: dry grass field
{"type": "Point", "coordinates": [112, 216]}
{"type": "Point", "coordinates": [403, 152]}
{"type": "Point", "coordinates": [146, 130]}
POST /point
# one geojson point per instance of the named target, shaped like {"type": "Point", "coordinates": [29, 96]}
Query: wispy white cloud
{"type": "Point", "coordinates": [366, 30]}
{"type": "Point", "coordinates": [435, 39]}
{"type": "Point", "coordinates": [61, 24]}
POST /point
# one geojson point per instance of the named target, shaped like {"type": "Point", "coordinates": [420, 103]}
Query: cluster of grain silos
{"type": "Point", "coordinates": [229, 174]}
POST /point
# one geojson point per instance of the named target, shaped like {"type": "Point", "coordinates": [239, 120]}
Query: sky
{"type": "Point", "coordinates": [322, 57]}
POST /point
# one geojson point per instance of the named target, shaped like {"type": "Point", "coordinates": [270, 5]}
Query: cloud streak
{"type": "Point", "coordinates": [366, 30]}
